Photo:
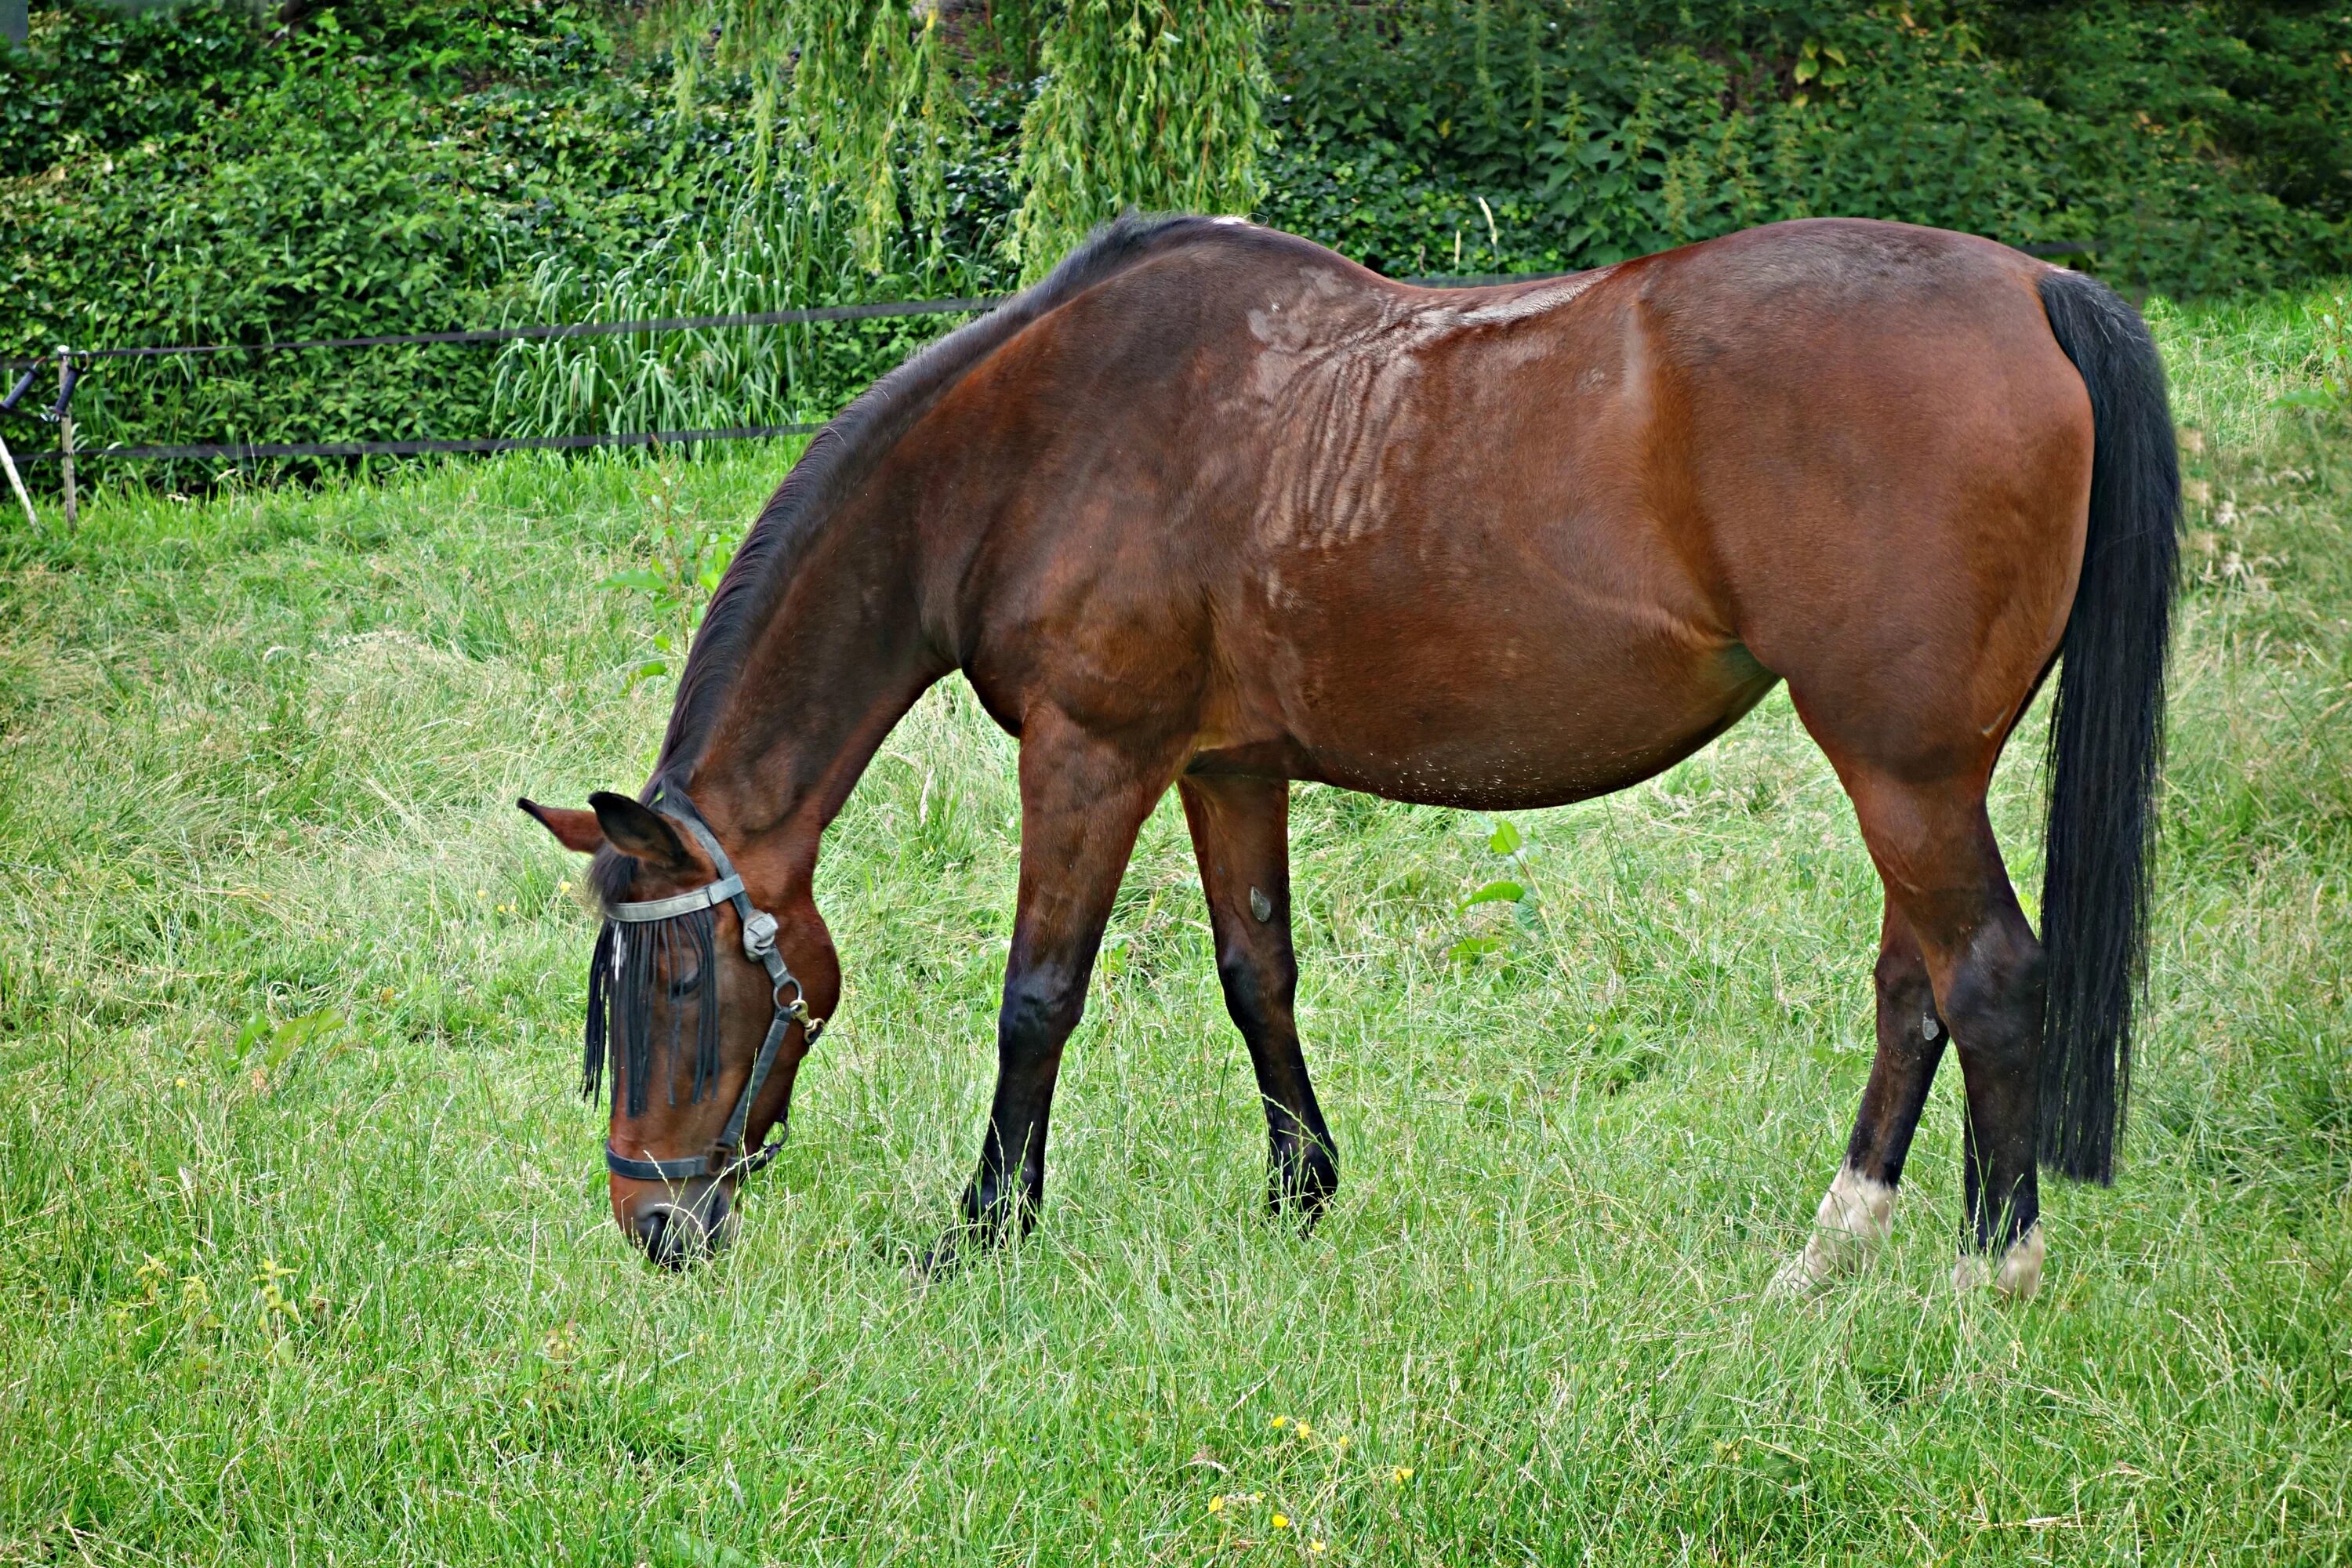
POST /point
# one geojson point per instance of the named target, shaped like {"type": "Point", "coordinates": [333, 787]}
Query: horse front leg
{"type": "Point", "coordinates": [1082, 802]}
{"type": "Point", "coordinates": [1240, 835]}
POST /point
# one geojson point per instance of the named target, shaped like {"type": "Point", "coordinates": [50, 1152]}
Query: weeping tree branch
{"type": "Point", "coordinates": [861, 87]}
{"type": "Point", "coordinates": [1143, 103]}
{"type": "Point", "coordinates": [1147, 103]}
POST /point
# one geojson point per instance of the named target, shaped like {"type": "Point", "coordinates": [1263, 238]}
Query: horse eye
{"type": "Point", "coordinates": [683, 986]}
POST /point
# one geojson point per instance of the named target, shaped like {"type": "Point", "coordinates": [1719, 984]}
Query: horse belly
{"type": "Point", "coordinates": [1492, 707]}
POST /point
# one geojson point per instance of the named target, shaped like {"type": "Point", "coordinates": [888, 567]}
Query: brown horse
{"type": "Point", "coordinates": [1214, 507]}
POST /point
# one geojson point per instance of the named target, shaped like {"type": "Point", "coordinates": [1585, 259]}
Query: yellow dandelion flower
{"type": "Point", "coordinates": [1340, 1444]}
{"type": "Point", "coordinates": [1304, 1430]}
{"type": "Point", "coordinates": [1282, 1521]}
{"type": "Point", "coordinates": [1282, 1420]}
{"type": "Point", "coordinates": [178, 1083]}
{"type": "Point", "coordinates": [1216, 1505]}
{"type": "Point", "coordinates": [1315, 1547]}
{"type": "Point", "coordinates": [1401, 1474]}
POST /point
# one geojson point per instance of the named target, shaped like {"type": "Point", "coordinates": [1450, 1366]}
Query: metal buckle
{"type": "Point", "coordinates": [759, 936]}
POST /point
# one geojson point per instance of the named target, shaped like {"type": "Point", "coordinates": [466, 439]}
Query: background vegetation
{"type": "Point", "coordinates": [1599, 131]}
{"type": "Point", "coordinates": [303, 1254]}
{"type": "Point", "coordinates": [211, 171]}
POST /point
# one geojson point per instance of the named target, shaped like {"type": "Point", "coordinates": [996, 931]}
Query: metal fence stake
{"type": "Point", "coordinates": [17, 484]}
{"type": "Point", "coordinates": [66, 434]}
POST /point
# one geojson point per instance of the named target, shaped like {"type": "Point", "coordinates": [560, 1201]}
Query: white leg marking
{"type": "Point", "coordinates": [2020, 1274]}
{"type": "Point", "coordinates": [1857, 1216]}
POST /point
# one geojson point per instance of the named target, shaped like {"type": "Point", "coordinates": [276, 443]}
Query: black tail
{"type": "Point", "coordinates": [2106, 732]}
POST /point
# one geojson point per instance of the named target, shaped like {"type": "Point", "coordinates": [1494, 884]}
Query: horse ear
{"type": "Point", "coordinates": [638, 831]}
{"type": "Point", "coordinates": [575, 830]}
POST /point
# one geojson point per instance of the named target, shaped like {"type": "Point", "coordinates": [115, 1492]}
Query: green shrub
{"type": "Point", "coordinates": [399, 168]}
{"type": "Point", "coordinates": [1619, 127]}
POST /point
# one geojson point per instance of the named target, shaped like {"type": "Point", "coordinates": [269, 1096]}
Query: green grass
{"type": "Point", "coordinates": [348, 1291]}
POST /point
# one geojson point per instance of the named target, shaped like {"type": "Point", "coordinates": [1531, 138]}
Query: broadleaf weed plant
{"type": "Point", "coordinates": [684, 562]}
{"type": "Point", "coordinates": [2330, 360]}
{"type": "Point", "coordinates": [1515, 889]}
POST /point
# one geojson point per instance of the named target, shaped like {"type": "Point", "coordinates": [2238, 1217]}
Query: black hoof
{"type": "Point", "coordinates": [1301, 1188]}
{"type": "Point", "coordinates": [943, 1257]}
{"type": "Point", "coordinates": [973, 1234]}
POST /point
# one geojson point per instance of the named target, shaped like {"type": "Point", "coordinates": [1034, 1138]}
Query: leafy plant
{"type": "Point", "coordinates": [1816, 62]}
{"type": "Point", "coordinates": [377, 169]}
{"type": "Point", "coordinates": [1618, 127]}
{"type": "Point", "coordinates": [683, 569]}
{"type": "Point", "coordinates": [1515, 890]}
{"type": "Point", "coordinates": [2331, 361]}
{"type": "Point", "coordinates": [265, 1046]}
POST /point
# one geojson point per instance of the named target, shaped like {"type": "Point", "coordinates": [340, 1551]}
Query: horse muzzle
{"type": "Point", "coordinates": [678, 1232]}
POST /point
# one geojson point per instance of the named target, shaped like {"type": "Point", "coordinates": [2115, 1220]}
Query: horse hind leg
{"type": "Point", "coordinates": [1857, 1214]}
{"type": "Point", "coordinates": [1935, 851]}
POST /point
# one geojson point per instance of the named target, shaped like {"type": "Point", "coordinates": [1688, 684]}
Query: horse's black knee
{"type": "Point", "coordinates": [1900, 977]}
{"type": "Point", "coordinates": [1043, 1004]}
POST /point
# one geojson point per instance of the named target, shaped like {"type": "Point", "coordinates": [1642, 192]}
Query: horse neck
{"type": "Point", "coordinates": [841, 657]}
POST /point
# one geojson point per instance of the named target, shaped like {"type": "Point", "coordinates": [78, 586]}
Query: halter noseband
{"type": "Point", "coordinates": [759, 946]}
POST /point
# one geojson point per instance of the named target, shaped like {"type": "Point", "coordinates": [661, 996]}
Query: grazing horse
{"type": "Point", "coordinates": [1212, 506]}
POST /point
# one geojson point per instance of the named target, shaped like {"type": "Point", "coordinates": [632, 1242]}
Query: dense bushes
{"type": "Point", "coordinates": [384, 166]}
{"type": "Point", "coordinates": [245, 185]}
{"type": "Point", "coordinates": [2203, 147]}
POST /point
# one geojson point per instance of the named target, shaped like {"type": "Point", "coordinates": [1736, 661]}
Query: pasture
{"type": "Point", "coordinates": [304, 1256]}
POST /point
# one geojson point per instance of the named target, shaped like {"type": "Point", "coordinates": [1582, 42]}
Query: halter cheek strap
{"type": "Point", "coordinates": [759, 947]}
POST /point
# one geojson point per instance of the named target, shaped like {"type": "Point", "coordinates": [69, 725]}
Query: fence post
{"type": "Point", "coordinates": [65, 433]}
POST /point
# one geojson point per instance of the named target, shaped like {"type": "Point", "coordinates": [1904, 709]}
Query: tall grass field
{"type": "Point", "coordinates": [304, 1255]}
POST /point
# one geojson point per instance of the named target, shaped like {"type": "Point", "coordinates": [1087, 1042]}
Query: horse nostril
{"type": "Point", "coordinates": [676, 1235]}
{"type": "Point", "coordinates": [717, 1214]}
{"type": "Point", "coordinates": [671, 1237]}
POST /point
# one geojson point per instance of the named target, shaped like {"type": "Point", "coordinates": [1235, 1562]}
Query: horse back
{"type": "Point", "coordinates": [1509, 546]}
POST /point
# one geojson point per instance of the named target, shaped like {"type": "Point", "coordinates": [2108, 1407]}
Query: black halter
{"type": "Point", "coordinates": [759, 946]}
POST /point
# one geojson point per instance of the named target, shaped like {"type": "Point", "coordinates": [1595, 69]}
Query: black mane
{"type": "Point", "coordinates": [844, 451]}
{"type": "Point", "coordinates": [837, 457]}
